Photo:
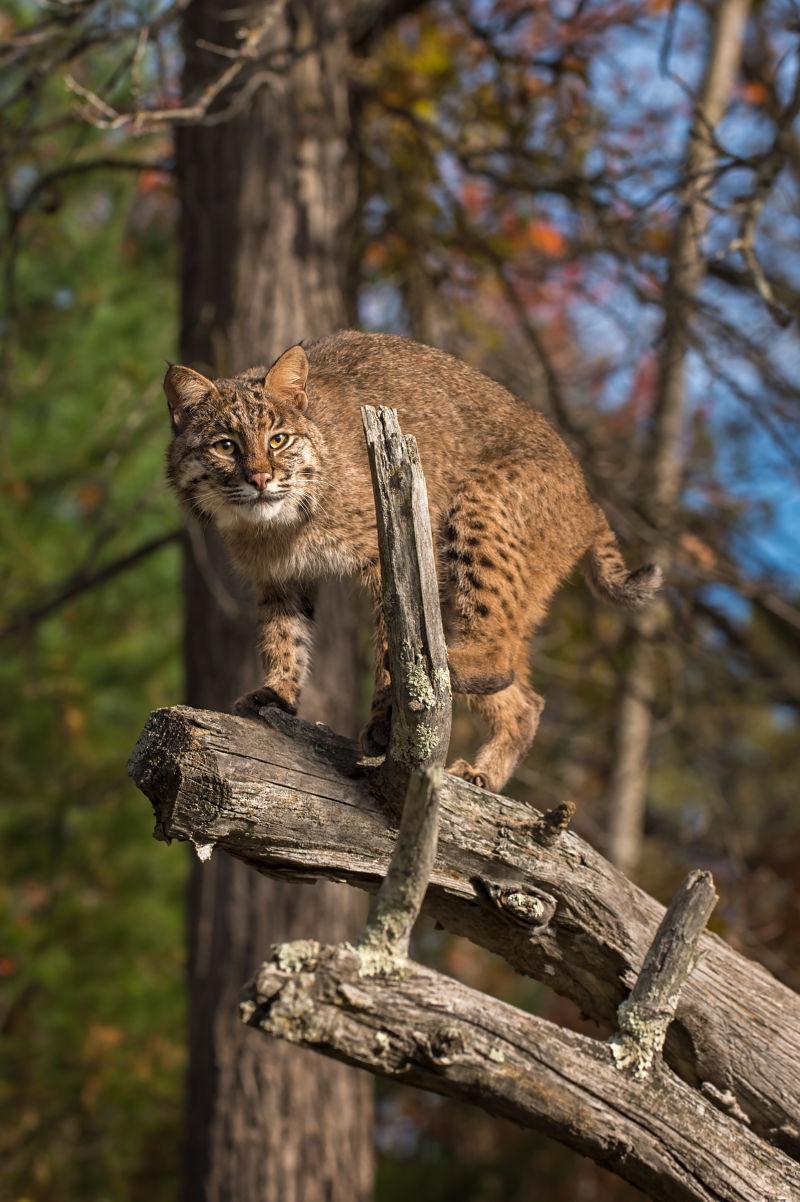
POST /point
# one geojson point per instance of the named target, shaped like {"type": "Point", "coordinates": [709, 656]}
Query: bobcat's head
{"type": "Point", "coordinates": [243, 449]}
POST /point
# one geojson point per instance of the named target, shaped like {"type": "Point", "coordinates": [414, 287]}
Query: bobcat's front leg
{"type": "Point", "coordinates": [375, 735]}
{"type": "Point", "coordinates": [284, 643]}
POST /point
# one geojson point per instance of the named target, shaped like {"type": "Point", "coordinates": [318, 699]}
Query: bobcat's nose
{"type": "Point", "coordinates": [259, 479]}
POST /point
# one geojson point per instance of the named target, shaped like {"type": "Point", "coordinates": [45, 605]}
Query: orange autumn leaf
{"type": "Point", "coordinates": [546, 239]}
{"type": "Point", "coordinates": [153, 179]}
{"type": "Point", "coordinates": [91, 496]}
{"type": "Point", "coordinates": [18, 489]}
{"type": "Point", "coordinates": [473, 197]}
{"type": "Point", "coordinates": [376, 255]}
{"type": "Point", "coordinates": [74, 721]}
{"type": "Point", "coordinates": [754, 92]}
{"type": "Point", "coordinates": [100, 1039]}
{"type": "Point", "coordinates": [657, 238]}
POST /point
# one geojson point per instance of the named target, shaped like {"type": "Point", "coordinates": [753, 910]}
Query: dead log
{"type": "Point", "coordinates": [292, 799]}
{"type": "Point", "coordinates": [425, 1029]}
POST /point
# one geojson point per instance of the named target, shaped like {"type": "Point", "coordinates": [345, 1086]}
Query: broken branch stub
{"type": "Point", "coordinates": [646, 1014]}
{"type": "Point", "coordinates": [421, 711]}
{"type": "Point", "coordinates": [421, 699]}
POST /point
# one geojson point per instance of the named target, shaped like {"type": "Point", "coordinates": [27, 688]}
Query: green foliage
{"type": "Point", "coordinates": [91, 945]}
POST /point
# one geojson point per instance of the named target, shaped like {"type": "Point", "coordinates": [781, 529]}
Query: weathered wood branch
{"type": "Point", "coordinates": [644, 1017]}
{"type": "Point", "coordinates": [427, 1030]}
{"type": "Point", "coordinates": [292, 799]}
{"type": "Point", "coordinates": [421, 700]}
{"type": "Point", "coordinates": [421, 708]}
{"type": "Point", "coordinates": [399, 899]}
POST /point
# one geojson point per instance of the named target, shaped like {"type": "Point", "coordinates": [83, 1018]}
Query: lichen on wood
{"type": "Point", "coordinates": [645, 1016]}
{"type": "Point", "coordinates": [427, 1030]}
{"type": "Point", "coordinates": [421, 698]}
{"type": "Point", "coordinates": [421, 713]}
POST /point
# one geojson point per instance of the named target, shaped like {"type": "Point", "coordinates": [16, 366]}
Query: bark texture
{"type": "Point", "coordinates": [267, 198]}
{"type": "Point", "coordinates": [663, 475]}
{"type": "Point", "coordinates": [420, 683]}
{"type": "Point", "coordinates": [421, 699]}
{"type": "Point", "coordinates": [645, 1016]}
{"type": "Point", "coordinates": [291, 799]}
{"type": "Point", "coordinates": [427, 1030]}
{"type": "Point", "coordinates": [396, 906]}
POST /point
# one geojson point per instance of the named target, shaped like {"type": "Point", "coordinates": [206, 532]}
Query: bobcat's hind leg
{"type": "Point", "coordinates": [497, 588]}
{"type": "Point", "coordinates": [512, 716]}
{"type": "Point", "coordinates": [492, 603]}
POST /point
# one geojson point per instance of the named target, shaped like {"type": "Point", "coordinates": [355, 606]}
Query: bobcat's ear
{"type": "Point", "coordinates": [287, 376]}
{"type": "Point", "coordinates": [184, 388]}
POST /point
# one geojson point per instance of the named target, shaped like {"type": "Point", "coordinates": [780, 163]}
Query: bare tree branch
{"type": "Point", "coordinates": [82, 581]}
{"type": "Point", "coordinates": [645, 1016]}
{"type": "Point", "coordinates": [84, 167]}
{"type": "Point", "coordinates": [99, 113]}
{"type": "Point", "coordinates": [665, 462]}
{"type": "Point", "coordinates": [398, 901]}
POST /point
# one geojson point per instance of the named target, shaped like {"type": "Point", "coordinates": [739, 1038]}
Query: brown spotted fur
{"type": "Point", "coordinates": [510, 513]}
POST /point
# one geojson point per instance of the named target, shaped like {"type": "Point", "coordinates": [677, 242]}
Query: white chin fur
{"type": "Point", "coordinates": [253, 514]}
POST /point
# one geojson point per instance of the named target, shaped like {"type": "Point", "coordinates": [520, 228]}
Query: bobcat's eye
{"type": "Point", "coordinates": [226, 446]}
{"type": "Point", "coordinates": [278, 440]}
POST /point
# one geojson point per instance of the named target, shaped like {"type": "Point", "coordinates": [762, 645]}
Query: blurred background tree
{"type": "Point", "coordinates": [534, 181]}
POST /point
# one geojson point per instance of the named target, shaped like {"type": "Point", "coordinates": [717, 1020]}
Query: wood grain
{"type": "Point", "coordinates": [293, 799]}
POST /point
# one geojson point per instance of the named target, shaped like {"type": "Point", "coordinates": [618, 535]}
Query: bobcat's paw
{"type": "Point", "coordinates": [467, 772]}
{"type": "Point", "coordinates": [374, 737]}
{"type": "Point", "coordinates": [248, 705]}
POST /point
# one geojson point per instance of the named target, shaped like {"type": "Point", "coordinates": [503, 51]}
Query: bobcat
{"type": "Point", "coordinates": [276, 458]}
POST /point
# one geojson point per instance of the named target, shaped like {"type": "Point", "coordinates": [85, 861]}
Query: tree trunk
{"type": "Point", "coordinates": [267, 203]}
{"type": "Point", "coordinates": [663, 475]}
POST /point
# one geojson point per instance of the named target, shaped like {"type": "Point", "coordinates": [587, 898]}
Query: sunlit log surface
{"type": "Point", "coordinates": [293, 799]}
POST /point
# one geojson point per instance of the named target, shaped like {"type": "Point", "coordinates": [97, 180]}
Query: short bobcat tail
{"type": "Point", "coordinates": [607, 575]}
